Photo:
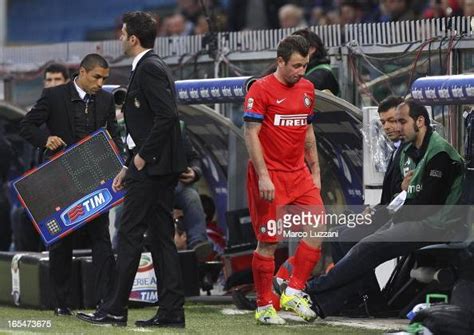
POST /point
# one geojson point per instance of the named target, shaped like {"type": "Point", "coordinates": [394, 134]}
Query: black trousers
{"type": "Point", "coordinates": [348, 238]}
{"type": "Point", "coordinates": [103, 261]}
{"type": "Point", "coordinates": [330, 291]}
{"type": "Point", "coordinates": [148, 207]}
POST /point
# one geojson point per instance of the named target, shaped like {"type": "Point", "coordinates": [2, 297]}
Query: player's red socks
{"type": "Point", "coordinates": [306, 258]}
{"type": "Point", "coordinates": [276, 301]}
{"type": "Point", "coordinates": [263, 268]}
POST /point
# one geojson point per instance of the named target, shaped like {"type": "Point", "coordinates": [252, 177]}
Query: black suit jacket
{"type": "Point", "coordinates": [56, 108]}
{"type": "Point", "coordinates": [151, 117]}
{"type": "Point", "coordinates": [392, 180]}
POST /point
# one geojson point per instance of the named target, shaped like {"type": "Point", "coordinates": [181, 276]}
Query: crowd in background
{"type": "Point", "coordinates": [191, 16]}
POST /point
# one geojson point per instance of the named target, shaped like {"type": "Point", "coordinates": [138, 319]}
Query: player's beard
{"type": "Point", "coordinates": [293, 80]}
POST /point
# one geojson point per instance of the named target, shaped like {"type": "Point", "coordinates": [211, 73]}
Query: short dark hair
{"type": "Point", "coordinates": [314, 41]}
{"type": "Point", "coordinates": [416, 110]}
{"type": "Point", "coordinates": [91, 61]}
{"type": "Point", "coordinates": [57, 68]}
{"type": "Point", "coordinates": [292, 44]}
{"type": "Point", "coordinates": [389, 103]}
{"type": "Point", "coordinates": [143, 26]}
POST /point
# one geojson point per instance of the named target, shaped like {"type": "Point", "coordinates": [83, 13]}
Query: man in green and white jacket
{"type": "Point", "coordinates": [433, 173]}
{"type": "Point", "coordinates": [432, 169]}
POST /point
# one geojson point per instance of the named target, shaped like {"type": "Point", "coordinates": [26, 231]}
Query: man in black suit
{"type": "Point", "coordinates": [70, 113]}
{"type": "Point", "coordinates": [391, 182]}
{"type": "Point", "coordinates": [392, 179]}
{"type": "Point", "coordinates": [157, 160]}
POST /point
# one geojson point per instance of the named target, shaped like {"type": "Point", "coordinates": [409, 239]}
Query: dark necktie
{"type": "Point", "coordinates": [392, 156]}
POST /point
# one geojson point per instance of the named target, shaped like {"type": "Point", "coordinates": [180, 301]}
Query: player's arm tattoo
{"type": "Point", "coordinates": [310, 145]}
{"type": "Point", "coordinates": [311, 150]}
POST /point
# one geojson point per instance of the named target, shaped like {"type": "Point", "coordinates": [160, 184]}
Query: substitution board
{"type": "Point", "coordinates": [72, 188]}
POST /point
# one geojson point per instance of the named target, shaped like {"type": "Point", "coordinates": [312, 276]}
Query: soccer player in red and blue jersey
{"type": "Point", "coordinates": [283, 170]}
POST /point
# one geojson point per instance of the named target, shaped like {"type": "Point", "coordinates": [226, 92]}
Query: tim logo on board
{"type": "Point", "coordinates": [86, 207]}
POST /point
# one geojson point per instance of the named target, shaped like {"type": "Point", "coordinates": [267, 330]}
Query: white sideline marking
{"type": "Point", "coordinates": [139, 330]}
{"type": "Point", "coordinates": [373, 324]}
{"type": "Point", "coordinates": [233, 311]}
{"type": "Point", "coordinates": [376, 324]}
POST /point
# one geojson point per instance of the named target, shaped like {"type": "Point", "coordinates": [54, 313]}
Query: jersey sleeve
{"type": "Point", "coordinates": [254, 105]}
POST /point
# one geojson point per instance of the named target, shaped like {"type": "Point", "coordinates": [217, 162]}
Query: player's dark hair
{"type": "Point", "coordinates": [292, 44]}
{"type": "Point", "coordinates": [143, 26]}
{"type": "Point", "coordinates": [92, 61]}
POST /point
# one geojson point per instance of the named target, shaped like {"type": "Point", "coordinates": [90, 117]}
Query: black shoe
{"type": "Point", "coordinates": [101, 317]}
{"type": "Point", "coordinates": [96, 312]}
{"type": "Point", "coordinates": [242, 302]}
{"type": "Point", "coordinates": [62, 311]}
{"type": "Point", "coordinates": [279, 285]}
{"type": "Point", "coordinates": [202, 250]}
{"type": "Point", "coordinates": [317, 309]}
{"type": "Point", "coordinates": [157, 321]}
{"type": "Point", "coordinates": [82, 315]}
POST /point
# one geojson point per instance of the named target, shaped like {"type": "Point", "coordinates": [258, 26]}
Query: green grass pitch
{"type": "Point", "coordinates": [200, 319]}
